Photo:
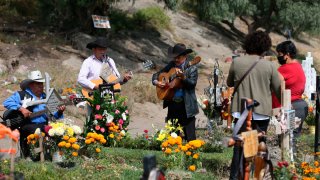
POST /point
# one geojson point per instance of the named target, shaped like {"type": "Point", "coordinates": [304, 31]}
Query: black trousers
{"type": "Point", "coordinates": [25, 131]}
{"type": "Point", "coordinates": [177, 110]}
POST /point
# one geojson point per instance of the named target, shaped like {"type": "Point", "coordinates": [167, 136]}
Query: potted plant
{"type": "Point", "coordinates": [311, 121]}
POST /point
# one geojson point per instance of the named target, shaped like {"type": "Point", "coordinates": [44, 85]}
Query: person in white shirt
{"type": "Point", "coordinates": [91, 67]}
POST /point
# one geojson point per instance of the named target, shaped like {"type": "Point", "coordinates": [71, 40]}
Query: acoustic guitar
{"type": "Point", "coordinates": [114, 80]}
{"type": "Point", "coordinates": [171, 81]}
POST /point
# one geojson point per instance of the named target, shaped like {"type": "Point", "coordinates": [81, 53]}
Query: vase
{"type": "Point", "coordinates": [312, 129]}
{"type": "Point", "coordinates": [66, 164]}
{"type": "Point", "coordinates": [56, 157]}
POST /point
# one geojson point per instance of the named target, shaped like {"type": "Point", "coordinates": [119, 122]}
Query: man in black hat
{"type": "Point", "coordinates": [92, 66]}
{"type": "Point", "coordinates": [183, 105]}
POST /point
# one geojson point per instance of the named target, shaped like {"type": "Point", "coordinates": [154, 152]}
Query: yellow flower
{"type": "Point", "coordinates": [161, 137]}
{"type": "Point", "coordinates": [192, 168]}
{"type": "Point", "coordinates": [74, 154]}
{"type": "Point", "coordinates": [111, 136]}
{"type": "Point", "coordinates": [70, 131]}
{"type": "Point", "coordinates": [98, 150]}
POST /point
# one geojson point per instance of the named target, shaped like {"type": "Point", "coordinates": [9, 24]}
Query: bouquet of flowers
{"type": "Point", "coordinates": [61, 135]}
{"type": "Point", "coordinates": [170, 127]}
{"type": "Point", "coordinates": [110, 117]}
{"type": "Point", "coordinates": [68, 147]}
{"type": "Point", "coordinates": [94, 143]}
{"type": "Point", "coordinates": [33, 141]}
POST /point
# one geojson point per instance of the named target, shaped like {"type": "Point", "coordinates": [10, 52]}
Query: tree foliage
{"type": "Point", "coordinates": [278, 15]}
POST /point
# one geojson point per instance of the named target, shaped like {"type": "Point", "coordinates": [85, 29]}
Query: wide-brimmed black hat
{"type": "Point", "coordinates": [178, 50]}
{"type": "Point", "coordinates": [99, 42]}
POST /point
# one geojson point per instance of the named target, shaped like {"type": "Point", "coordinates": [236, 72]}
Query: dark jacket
{"type": "Point", "coordinates": [189, 85]}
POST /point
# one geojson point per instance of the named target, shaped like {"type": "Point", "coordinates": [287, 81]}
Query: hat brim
{"type": "Point", "coordinates": [94, 45]}
{"type": "Point", "coordinates": [25, 83]}
{"type": "Point", "coordinates": [174, 55]}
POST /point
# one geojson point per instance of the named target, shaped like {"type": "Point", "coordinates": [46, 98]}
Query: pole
{"type": "Point", "coordinates": [316, 138]}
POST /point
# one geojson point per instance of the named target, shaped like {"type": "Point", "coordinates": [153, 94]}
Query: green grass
{"type": "Point", "coordinates": [118, 163]}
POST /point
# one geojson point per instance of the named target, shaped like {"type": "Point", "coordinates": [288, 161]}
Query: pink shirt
{"type": "Point", "coordinates": [91, 68]}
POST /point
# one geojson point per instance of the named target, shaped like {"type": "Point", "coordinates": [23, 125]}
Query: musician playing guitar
{"type": "Point", "coordinates": [91, 67]}
{"type": "Point", "coordinates": [32, 89]}
{"type": "Point", "coordinates": [183, 105]}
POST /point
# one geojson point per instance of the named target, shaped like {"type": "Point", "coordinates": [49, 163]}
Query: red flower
{"type": "Point", "coordinates": [97, 107]}
{"type": "Point", "coordinates": [145, 131]}
{"type": "Point", "coordinates": [280, 164]}
{"type": "Point", "coordinates": [47, 128]}
{"type": "Point", "coordinates": [98, 116]}
{"type": "Point", "coordinates": [285, 163]}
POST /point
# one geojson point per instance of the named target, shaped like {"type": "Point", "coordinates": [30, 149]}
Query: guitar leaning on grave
{"type": "Point", "coordinates": [171, 81]}
{"type": "Point", "coordinates": [112, 79]}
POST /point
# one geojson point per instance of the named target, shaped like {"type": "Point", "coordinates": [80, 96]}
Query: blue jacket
{"type": "Point", "coordinates": [14, 102]}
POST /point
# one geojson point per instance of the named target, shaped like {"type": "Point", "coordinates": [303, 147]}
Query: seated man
{"type": "Point", "coordinates": [32, 89]}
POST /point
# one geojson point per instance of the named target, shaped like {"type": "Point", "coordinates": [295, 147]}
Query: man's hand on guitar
{"type": "Point", "coordinates": [127, 76]}
{"type": "Point", "coordinates": [26, 113]}
{"type": "Point", "coordinates": [159, 84]}
{"type": "Point", "coordinates": [180, 74]}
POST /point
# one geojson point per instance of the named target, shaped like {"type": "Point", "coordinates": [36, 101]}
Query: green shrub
{"type": "Point", "coordinates": [152, 16]}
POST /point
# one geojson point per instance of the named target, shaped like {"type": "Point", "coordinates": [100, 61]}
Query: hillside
{"type": "Point", "coordinates": [39, 51]}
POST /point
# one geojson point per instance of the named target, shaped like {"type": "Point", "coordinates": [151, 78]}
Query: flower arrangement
{"type": "Point", "coordinates": [207, 106]}
{"type": "Point", "coordinates": [285, 171]}
{"type": "Point", "coordinates": [309, 171]}
{"type": "Point", "coordinates": [33, 141]}
{"type": "Point", "coordinates": [58, 132]}
{"type": "Point", "coordinates": [94, 143]}
{"type": "Point", "coordinates": [110, 117]}
{"type": "Point", "coordinates": [170, 127]}
{"type": "Point", "coordinates": [68, 147]}
{"type": "Point", "coordinates": [182, 156]}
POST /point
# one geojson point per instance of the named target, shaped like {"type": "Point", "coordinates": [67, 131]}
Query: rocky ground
{"type": "Point", "coordinates": [22, 52]}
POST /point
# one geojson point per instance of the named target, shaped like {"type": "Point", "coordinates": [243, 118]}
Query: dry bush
{"type": "Point", "coordinates": [140, 90]}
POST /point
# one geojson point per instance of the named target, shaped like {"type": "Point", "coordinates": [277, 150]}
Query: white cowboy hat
{"type": "Point", "coordinates": [33, 76]}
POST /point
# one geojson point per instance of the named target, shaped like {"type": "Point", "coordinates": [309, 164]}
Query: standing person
{"type": "Point", "coordinates": [257, 85]}
{"type": "Point", "coordinates": [294, 78]}
{"type": "Point", "coordinates": [32, 89]}
{"type": "Point", "coordinates": [184, 105]}
{"type": "Point", "coordinates": [91, 67]}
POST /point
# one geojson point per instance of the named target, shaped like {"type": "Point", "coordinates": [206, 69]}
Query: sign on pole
{"type": "Point", "coordinates": [101, 21]}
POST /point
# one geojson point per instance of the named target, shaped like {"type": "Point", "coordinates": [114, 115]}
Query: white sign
{"type": "Point", "coordinates": [54, 100]}
{"type": "Point", "coordinates": [100, 21]}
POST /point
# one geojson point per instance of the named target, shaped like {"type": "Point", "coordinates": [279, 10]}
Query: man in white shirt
{"type": "Point", "coordinates": [91, 67]}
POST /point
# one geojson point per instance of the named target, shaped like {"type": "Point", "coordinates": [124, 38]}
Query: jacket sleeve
{"type": "Point", "coordinates": [13, 102]}
{"type": "Point", "coordinates": [230, 79]}
{"type": "Point", "coordinates": [58, 115]}
{"type": "Point", "coordinates": [191, 78]}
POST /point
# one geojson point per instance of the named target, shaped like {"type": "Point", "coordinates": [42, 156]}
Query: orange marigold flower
{"type": "Point", "coordinates": [87, 141]}
{"type": "Point", "coordinates": [184, 148]}
{"type": "Point", "coordinates": [172, 141]}
{"type": "Point", "coordinates": [62, 144]}
{"type": "Point", "coordinates": [65, 138]}
{"type": "Point", "coordinates": [168, 151]}
{"type": "Point", "coordinates": [36, 136]}
{"type": "Point", "coordinates": [192, 168]}
{"type": "Point", "coordinates": [316, 163]}
{"type": "Point", "coordinates": [75, 154]}
{"type": "Point", "coordinates": [165, 144]}
{"type": "Point", "coordinates": [92, 140]}
{"type": "Point", "coordinates": [188, 153]}
{"type": "Point", "coordinates": [68, 145]}
{"type": "Point", "coordinates": [31, 136]}
{"type": "Point", "coordinates": [103, 141]}
{"type": "Point", "coordinates": [177, 150]}
{"type": "Point", "coordinates": [33, 142]}
{"type": "Point", "coordinates": [75, 146]}
{"type": "Point", "coordinates": [196, 156]}
{"type": "Point", "coordinates": [72, 140]}
{"type": "Point", "coordinates": [98, 150]}
{"type": "Point", "coordinates": [43, 134]}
